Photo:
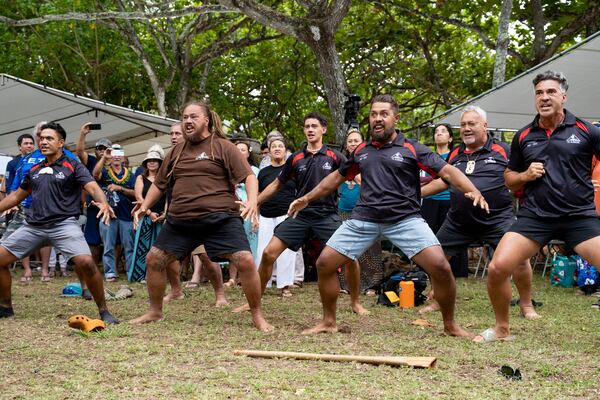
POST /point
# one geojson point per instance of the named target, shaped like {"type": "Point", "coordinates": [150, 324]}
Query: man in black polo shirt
{"type": "Point", "coordinates": [389, 206]}
{"type": "Point", "coordinates": [483, 160]}
{"type": "Point", "coordinates": [551, 160]}
{"type": "Point", "coordinates": [307, 168]}
{"type": "Point", "coordinates": [55, 185]}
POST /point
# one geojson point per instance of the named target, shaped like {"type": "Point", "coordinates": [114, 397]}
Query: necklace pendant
{"type": "Point", "coordinates": [470, 167]}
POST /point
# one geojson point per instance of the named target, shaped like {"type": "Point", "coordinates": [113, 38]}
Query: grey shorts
{"type": "Point", "coordinates": [66, 236]}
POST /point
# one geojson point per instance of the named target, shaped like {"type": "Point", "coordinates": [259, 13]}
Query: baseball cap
{"type": "Point", "coordinates": [104, 142]}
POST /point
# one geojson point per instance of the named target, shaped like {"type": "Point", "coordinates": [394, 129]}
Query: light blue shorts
{"type": "Point", "coordinates": [410, 235]}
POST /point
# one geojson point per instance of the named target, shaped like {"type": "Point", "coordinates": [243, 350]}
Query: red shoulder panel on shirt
{"type": "Point", "coordinates": [331, 153]}
{"type": "Point", "coordinates": [411, 148]}
{"type": "Point", "coordinates": [68, 165]}
{"type": "Point", "coordinates": [499, 149]}
{"type": "Point", "coordinates": [297, 158]}
{"type": "Point", "coordinates": [582, 126]}
{"type": "Point", "coordinates": [36, 166]}
{"type": "Point", "coordinates": [523, 134]}
{"type": "Point", "coordinates": [453, 155]}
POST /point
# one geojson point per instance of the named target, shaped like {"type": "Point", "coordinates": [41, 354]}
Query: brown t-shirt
{"type": "Point", "coordinates": [204, 178]}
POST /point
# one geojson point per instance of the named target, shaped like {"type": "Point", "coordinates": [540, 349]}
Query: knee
{"type": "Point", "coordinates": [245, 261]}
{"type": "Point", "coordinates": [441, 269]}
{"type": "Point", "coordinates": [324, 264]}
{"type": "Point", "coordinates": [269, 255]}
{"type": "Point", "coordinates": [87, 266]}
{"type": "Point", "coordinates": [155, 260]}
{"type": "Point", "coordinates": [497, 271]}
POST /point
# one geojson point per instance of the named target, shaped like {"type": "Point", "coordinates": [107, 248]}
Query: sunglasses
{"type": "Point", "coordinates": [100, 148]}
{"type": "Point", "coordinates": [509, 373]}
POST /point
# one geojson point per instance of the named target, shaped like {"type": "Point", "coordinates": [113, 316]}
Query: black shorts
{"type": "Point", "coordinates": [455, 238]}
{"type": "Point", "coordinates": [294, 232]}
{"type": "Point", "coordinates": [221, 234]}
{"type": "Point", "coordinates": [572, 230]}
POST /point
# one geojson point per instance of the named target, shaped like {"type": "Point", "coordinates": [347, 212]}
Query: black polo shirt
{"type": "Point", "coordinates": [566, 187]}
{"type": "Point", "coordinates": [390, 188]}
{"type": "Point", "coordinates": [55, 189]}
{"type": "Point", "coordinates": [488, 177]}
{"type": "Point", "coordinates": [308, 170]}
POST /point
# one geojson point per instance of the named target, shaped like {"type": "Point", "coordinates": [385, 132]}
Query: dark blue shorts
{"type": "Point", "coordinates": [309, 224]}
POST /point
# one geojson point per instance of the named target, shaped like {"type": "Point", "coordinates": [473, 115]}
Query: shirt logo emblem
{"type": "Point", "coordinates": [531, 144]}
{"type": "Point", "coordinates": [363, 157]}
{"type": "Point", "coordinates": [60, 175]}
{"type": "Point", "coordinates": [573, 139]}
{"type": "Point", "coordinates": [46, 170]}
{"type": "Point", "coordinates": [202, 156]}
{"type": "Point", "coordinates": [397, 157]}
{"type": "Point", "coordinates": [490, 159]}
{"type": "Point", "coordinates": [326, 165]}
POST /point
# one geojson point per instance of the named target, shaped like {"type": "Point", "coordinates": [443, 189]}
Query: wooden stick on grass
{"type": "Point", "coordinates": [417, 362]}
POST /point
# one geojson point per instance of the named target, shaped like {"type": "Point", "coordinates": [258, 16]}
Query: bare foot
{"type": "Point", "coordinates": [261, 323]}
{"type": "Point", "coordinates": [173, 296]}
{"type": "Point", "coordinates": [456, 330]}
{"type": "Point", "coordinates": [221, 302]}
{"type": "Point", "coordinates": [150, 316]}
{"type": "Point", "coordinates": [321, 327]}
{"type": "Point", "coordinates": [430, 308]}
{"type": "Point", "coordinates": [229, 283]}
{"type": "Point", "coordinates": [528, 312]}
{"type": "Point", "coordinates": [359, 309]}
{"type": "Point", "coordinates": [242, 308]}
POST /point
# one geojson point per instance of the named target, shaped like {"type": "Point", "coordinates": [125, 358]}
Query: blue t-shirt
{"type": "Point", "coordinates": [25, 165]}
{"type": "Point", "coordinates": [11, 169]}
{"type": "Point", "coordinates": [124, 205]}
{"type": "Point", "coordinates": [441, 196]}
{"type": "Point", "coordinates": [348, 196]}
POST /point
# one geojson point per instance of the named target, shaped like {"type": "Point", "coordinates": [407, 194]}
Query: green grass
{"type": "Point", "coordinates": [190, 353]}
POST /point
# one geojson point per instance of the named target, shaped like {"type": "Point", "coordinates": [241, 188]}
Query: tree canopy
{"type": "Point", "coordinates": [265, 64]}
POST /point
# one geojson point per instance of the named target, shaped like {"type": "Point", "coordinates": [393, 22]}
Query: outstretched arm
{"type": "Point", "coordinates": [80, 146]}
{"type": "Point", "coordinates": [269, 191]}
{"type": "Point", "coordinates": [434, 187]}
{"type": "Point", "coordinates": [13, 199]}
{"type": "Point", "coordinates": [106, 212]}
{"type": "Point", "coordinates": [456, 178]}
{"type": "Point", "coordinates": [327, 186]}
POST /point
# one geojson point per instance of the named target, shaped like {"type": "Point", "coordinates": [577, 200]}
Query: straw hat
{"type": "Point", "coordinates": [154, 153]}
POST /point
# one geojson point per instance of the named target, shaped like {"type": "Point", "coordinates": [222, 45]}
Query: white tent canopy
{"type": "Point", "coordinates": [510, 106]}
{"type": "Point", "coordinates": [23, 104]}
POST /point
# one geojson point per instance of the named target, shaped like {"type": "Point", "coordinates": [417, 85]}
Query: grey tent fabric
{"type": "Point", "coordinates": [23, 104]}
{"type": "Point", "coordinates": [510, 106]}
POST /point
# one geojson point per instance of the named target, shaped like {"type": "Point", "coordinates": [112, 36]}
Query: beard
{"type": "Point", "coordinates": [384, 136]}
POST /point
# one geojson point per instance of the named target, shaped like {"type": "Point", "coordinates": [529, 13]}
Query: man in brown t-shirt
{"type": "Point", "coordinates": [202, 172]}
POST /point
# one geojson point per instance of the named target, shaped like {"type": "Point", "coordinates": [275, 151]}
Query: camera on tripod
{"type": "Point", "coordinates": [351, 107]}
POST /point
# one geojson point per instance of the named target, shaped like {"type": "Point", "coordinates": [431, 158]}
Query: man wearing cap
{"type": "Point", "coordinates": [117, 182]}
{"type": "Point", "coordinates": [56, 184]}
{"type": "Point", "coordinates": [92, 224]}
{"type": "Point", "coordinates": [22, 169]}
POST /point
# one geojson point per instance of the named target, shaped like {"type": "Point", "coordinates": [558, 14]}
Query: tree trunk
{"type": "Point", "coordinates": [539, 36]}
{"type": "Point", "coordinates": [322, 43]}
{"type": "Point", "coordinates": [502, 41]}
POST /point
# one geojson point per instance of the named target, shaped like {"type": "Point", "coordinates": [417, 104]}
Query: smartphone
{"type": "Point", "coordinates": [95, 127]}
{"type": "Point", "coordinates": [118, 152]}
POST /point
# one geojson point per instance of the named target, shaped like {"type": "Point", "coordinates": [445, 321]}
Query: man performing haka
{"type": "Point", "coordinates": [484, 161]}
{"type": "Point", "coordinates": [307, 167]}
{"type": "Point", "coordinates": [388, 206]}
{"type": "Point", "coordinates": [55, 185]}
{"type": "Point", "coordinates": [551, 160]}
{"type": "Point", "coordinates": [203, 172]}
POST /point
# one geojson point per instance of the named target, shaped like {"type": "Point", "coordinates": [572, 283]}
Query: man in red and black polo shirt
{"type": "Point", "coordinates": [389, 206]}
{"type": "Point", "coordinates": [307, 168]}
{"type": "Point", "coordinates": [55, 185]}
{"type": "Point", "coordinates": [483, 160]}
{"type": "Point", "coordinates": [551, 160]}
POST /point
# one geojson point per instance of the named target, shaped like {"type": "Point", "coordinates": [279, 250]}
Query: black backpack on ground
{"type": "Point", "coordinates": [392, 282]}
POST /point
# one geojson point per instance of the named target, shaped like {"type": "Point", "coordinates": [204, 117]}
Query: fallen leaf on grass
{"type": "Point", "coordinates": [421, 322]}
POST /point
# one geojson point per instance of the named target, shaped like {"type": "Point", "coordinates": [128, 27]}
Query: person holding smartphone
{"type": "Point", "coordinates": [117, 181]}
